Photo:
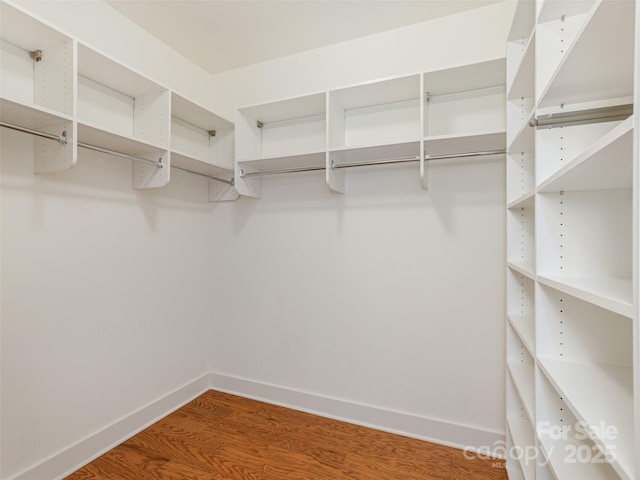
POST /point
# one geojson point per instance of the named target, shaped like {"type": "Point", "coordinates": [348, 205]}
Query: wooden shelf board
{"type": "Point", "coordinates": [198, 165]}
{"type": "Point", "coordinates": [605, 165]}
{"type": "Point", "coordinates": [524, 326]}
{"type": "Point", "coordinates": [597, 395]}
{"type": "Point", "coordinates": [375, 152]}
{"type": "Point", "coordinates": [95, 136]}
{"type": "Point", "coordinates": [599, 63]}
{"type": "Point", "coordinates": [614, 294]}
{"type": "Point", "coordinates": [30, 116]}
{"type": "Point", "coordinates": [525, 268]}
{"type": "Point", "coordinates": [310, 159]}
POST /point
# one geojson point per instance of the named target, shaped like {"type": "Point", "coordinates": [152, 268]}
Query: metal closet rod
{"type": "Point", "coordinates": [63, 139]}
{"type": "Point", "coordinates": [386, 161]}
{"type": "Point", "coordinates": [592, 115]}
{"type": "Point", "coordinates": [51, 136]}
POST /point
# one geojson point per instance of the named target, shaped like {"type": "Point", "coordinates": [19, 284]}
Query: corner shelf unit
{"type": "Point", "coordinates": [71, 97]}
{"type": "Point", "coordinates": [573, 221]}
{"type": "Point", "coordinates": [450, 113]}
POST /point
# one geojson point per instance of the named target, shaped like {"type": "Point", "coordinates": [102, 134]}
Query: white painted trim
{"type": "Point", "coordinates": [64, 463]}
{"type": "Point", "coordinates": [441, 432]}
{"type": "Point", "coordinates": [69, 460]}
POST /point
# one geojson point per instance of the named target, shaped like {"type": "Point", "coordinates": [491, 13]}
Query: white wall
{"type": "Point", "coordinates": [389, 295]}
{"type": "Point", "coordinates": [468, 37]}
{"type": "Point", "coordinates": [104, 298]}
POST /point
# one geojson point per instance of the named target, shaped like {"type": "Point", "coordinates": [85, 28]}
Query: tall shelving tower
{"type": "Point", "coordinates": [572, 335]}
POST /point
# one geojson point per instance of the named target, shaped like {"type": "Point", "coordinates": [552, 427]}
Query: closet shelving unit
{"type": "Point", "coordinates": [202, 143]}
{"type": "Point", "coordinates": [450, 113]}
{"type": "Point", "coordinates": [70, 96]}
{"type": "Point", "coordinates": [572, 253]}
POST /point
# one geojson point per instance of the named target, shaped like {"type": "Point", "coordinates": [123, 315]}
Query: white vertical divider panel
{"type": "Point", "coordinates": [152, 118]}
{"type": "Point", "coordinates": [55, 86]}
{"type": "Point", "coordinates": [51, 156]}
{"type": "Point", "coordinates": [636, 242]}
{"type": "Point", "coordinates": [248, 146]}
{"type": "Point", "coordinates": [150, 176]}
{"type": "Point", "coordinates": [152, 122]}
{"type": "Point", "coordinates": [335, 138]}
{"type": "Point", "coordinates": [424, 181]}
{"type": "Point", "coordinates": [221, 192]}
{"type": "Point", "coordinates": [55, 78]}
{"type": "Point", "coordinates": [221, 148]}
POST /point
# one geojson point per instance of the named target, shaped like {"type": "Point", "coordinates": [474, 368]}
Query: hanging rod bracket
{"type": "Point", "coordinates": [259, 124]}
{"type": "Point", "coordinates": [212, 133]}
{"type": "Point", "coordinates": [36, 55]}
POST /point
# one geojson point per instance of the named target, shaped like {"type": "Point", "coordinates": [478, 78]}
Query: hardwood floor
{"type": "Point", "coordinates": [225, 437]}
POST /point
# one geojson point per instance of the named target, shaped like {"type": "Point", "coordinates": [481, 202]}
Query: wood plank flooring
{"type": "Point", "coordinates": [219, 436]}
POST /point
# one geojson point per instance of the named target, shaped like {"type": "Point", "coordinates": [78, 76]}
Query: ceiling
{"type": "Point", "coordinates": [222, 35]}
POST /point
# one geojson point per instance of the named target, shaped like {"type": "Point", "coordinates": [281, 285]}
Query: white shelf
{"type": "Point", "coordinates": [523, 85]}
{"type": "Point", "coordinates": [200, 140]}
{"type": "Point", "coordinates": [385, 92]}
{"type": "Point", "coordinates": [111, 74]}
{"type": "Point", "coordinates": [522, 436]}
{"type": "Point", "coordinates": [312, 159]}
{"type": "Point", "coordinates": [614, 294]}
{"type": "Point", "coordinates": [599, 395]}
{"type": "Point", "coordinates": [522, 376]}
{"type": "Point", "coordinates": [30, 116]}
{"type": "Point", "coordinates": [375, 152]}
{"type": "Point", "coordinates": [524, 20]}
{"type": "Point", "coordinates": [550, 10]}
{"type": "Point", "coordinates": [289, 109]}
{"type": "Point", "coordinates": [524, 326]}
{"type": "Point", "coordinates": [606, 164]}
{"type": "Point", "coordinates": [465, 78]}
{"type": "Point", "coordinates": [524, 140]}
{"type": "Point", "coordinates": [599, 62]}
{"type": "Point", "coordinates": [525, 201]}
{"type": "Point", "coordinates": [525, 268]}
{"type": "Point", "coordinates": [464, 143]}
{"type": "Point", "coordinates": [556, 452]}
{"type": "Point", "coordinates": [96, 136]}
{"type": "Point", "coordinates": [184, 160]}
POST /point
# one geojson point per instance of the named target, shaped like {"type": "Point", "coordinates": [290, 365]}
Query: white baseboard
{"type": "Point", "coordinates": [437, 431]}
{"type": "Point", "coordinates": [67, 461]}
